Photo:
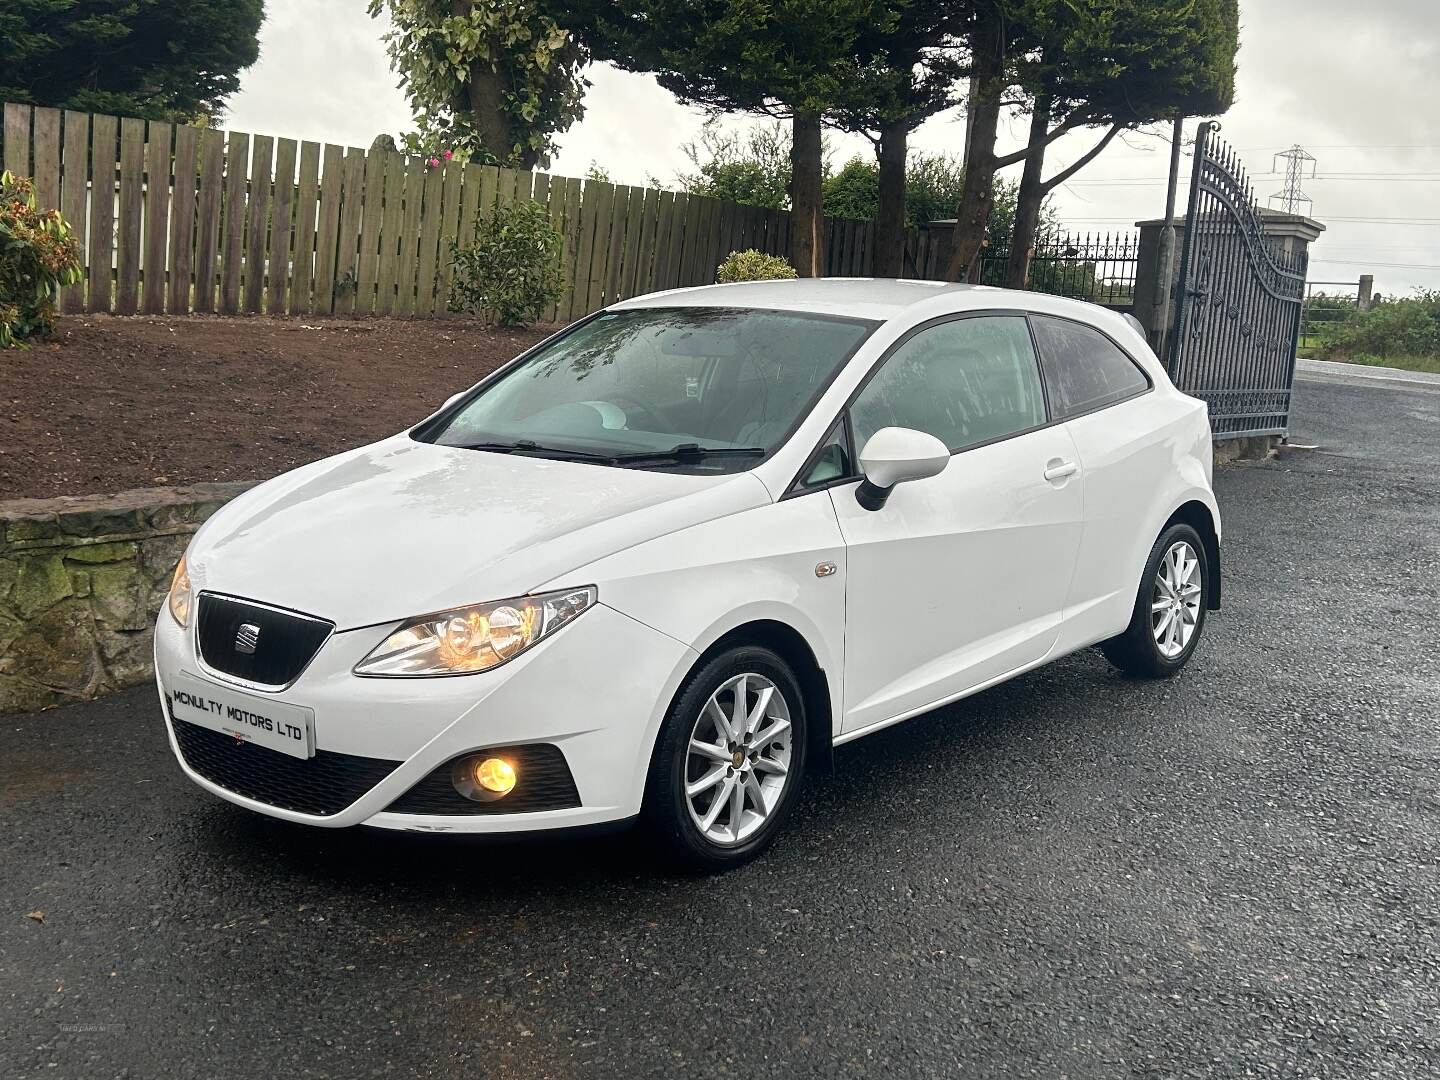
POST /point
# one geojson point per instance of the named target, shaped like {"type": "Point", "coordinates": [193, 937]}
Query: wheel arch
{"type": "Point", "coordinates": [1201, 518]}
{"type": "Point", "coordinates": [792, 647]}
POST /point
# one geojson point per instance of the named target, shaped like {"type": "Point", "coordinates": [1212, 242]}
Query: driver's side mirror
{"type": "Point", "coordinates": [894, 455]}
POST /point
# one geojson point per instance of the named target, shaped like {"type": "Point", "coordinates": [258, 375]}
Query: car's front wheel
{"type": "Point", "coordinates": [729, 759]}
{"type": "Point", "coordinates": [1169, 611]}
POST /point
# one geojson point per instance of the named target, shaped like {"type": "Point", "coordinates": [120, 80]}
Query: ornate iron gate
{"type": "Point", "coordinates": [1239, 300]}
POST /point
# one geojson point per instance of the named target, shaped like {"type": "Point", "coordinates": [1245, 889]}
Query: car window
{"type": "Point", "coordinates": [644, 381]}
{"type": "Point", "coordinates": [832, 460]}
{"type": "Point", "coordinates": [1084, 370]}
{"type": "Point", "coordinates": [966, 382]}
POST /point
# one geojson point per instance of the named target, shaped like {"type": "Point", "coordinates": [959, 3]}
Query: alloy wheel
{"type": "Point", "coordinates": [737, 762]}
{"type": "Point", "coordinates": [1175, 602]}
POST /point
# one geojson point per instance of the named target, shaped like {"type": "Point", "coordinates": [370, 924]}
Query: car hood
{"type": "Point", "coordinates": [403, 528]}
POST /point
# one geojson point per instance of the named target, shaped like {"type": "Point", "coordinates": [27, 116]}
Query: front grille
{"type": "Point", "coordinates": [543, 782]}
{"type": "Point", "coordinates": [324, 784]}
{"type": "Point", "coordinates": [283, 641]}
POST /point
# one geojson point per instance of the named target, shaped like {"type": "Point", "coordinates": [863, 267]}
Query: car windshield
{"type": "Point", "coordinates": [689, 389]}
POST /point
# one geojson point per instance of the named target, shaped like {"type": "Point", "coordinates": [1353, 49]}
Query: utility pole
{"type": "Point", "coordinates": [1165, 286]}
{"type": "Point", "coordinates": [1299, 166]}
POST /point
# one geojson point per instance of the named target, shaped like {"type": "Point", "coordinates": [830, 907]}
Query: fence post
{"type": "Point", "coordinates": [1366, 296]}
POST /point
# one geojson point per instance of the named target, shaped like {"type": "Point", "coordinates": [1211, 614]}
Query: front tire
{"type": "Point", "coordinates": [729, 760]}
{"type": "Point", "coordinates": [1170, 605]}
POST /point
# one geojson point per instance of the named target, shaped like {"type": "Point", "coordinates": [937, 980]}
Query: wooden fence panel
{"type": "Point", "coordinates": [208, 203]}
{"type": "Point", "coordinates": [430, 215]}
{"type": "Point", "coordinates": [449, 231]}
{"type": "Point", "coordinates": [327, 230]}
{"type": "Point", "coordinates": [372, 198]}
{"type": "Point", "coordinates": [157, 216]}
{"type": "Point", "coordinates": [615, 253]}
{"type": "Point", "coordinates": [348, 247]}
{"type": "Point", "coordinates": [585, 282]}
{"type": "Point", "coordinates": [46, 165]}
{"type": "Point", "coordinates": [595, 244]}
{"type": "Point", "coordinates": [74, 183]}
{"type": "Point", "coordinates": [232, 223]}
{"type": "Point", "coordinates": [649, 231]}
{"type": "Point", "coordinates": [559, 192]}
{"type": "Point", "coordinates": [132, 180]}
{"type": "Point", "coordinates": [258, 222]}
{"type": "Point", "coordinates": [17, 139]}
{"type": "Point", "coordinates": [182, 220]}
{"type": "Point", "coordinates": [388, 267]}
{"type": "Point", "coordinates": [102, 212]}
{"type": "Point", "coordinates": [571, 232]}
{"type": "Point", "coordinates": [307, 187]}
{"type": "Point", "coordinates": [282, 226]}
{"type": "Point", "coordinates": [469, 204]}
{"type": "Point", "coordinates": [409, 234]}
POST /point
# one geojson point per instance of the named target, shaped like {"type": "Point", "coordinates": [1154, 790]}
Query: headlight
{"type": "Point", "coordinates": [181, 599]}
{"type": "Point", "coordinates": [465, 640]}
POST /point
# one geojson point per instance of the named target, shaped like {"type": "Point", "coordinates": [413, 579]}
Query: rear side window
{"type": "Point", "coordinates": [1084, 370]}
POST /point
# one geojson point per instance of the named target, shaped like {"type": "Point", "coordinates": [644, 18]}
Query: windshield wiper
{"type": "Point", "coordinates": [686, 452]}
{"type": "Point", "coordinates": [530, 446]}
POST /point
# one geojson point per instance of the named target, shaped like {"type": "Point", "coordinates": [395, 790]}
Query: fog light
{"type": "Point", "coordinates": [483, 779]}
{"type": "Point", "coordinates": [496, 775]}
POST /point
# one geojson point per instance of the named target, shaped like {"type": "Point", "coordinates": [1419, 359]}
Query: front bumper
{"type": "Point", "coordinates": [597, 690]}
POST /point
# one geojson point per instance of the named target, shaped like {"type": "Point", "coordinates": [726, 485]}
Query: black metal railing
{"type": "Point", "coordinates": [1327, 305]}
{"type": "Point", "coordinates": [1098, 267]}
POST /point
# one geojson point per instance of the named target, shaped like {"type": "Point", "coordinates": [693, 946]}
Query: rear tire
{"type": "Point", "coordinates": [729, 760]}
{"type": "Point", "coordinates": [1170, 606]}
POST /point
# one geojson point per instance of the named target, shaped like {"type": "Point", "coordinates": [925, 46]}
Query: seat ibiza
{"type": "Point", "coordinates": [660, 564]}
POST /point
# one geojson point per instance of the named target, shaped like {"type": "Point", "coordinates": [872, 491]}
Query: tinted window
{"type": "Point", "coordinates": [965, 382]}
{"type": "Point", "coordinates": [651, 379]}
{"type": "Point", "coordinates": [1084, 370]}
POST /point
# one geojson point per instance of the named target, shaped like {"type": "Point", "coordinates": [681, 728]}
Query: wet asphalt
{"type": "Point", "coordinates": [1234, 873]}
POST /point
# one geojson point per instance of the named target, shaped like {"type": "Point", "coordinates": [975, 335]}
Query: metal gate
{"type": "Point", "coordinates": [1239, 300]}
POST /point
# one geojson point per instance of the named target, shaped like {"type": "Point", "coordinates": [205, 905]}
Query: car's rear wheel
{"type": "Point", "coordinates": [1169, 612]}
{"type": "Point", "coordinates": [729, 760]}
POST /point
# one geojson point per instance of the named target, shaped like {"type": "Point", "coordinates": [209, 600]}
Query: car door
{"type": "Point", "coordinates": [960, 578]}
{"type": "Point", "coordinates": [1102, 395]}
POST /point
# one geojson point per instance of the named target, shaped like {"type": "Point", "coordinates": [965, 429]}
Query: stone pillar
{"type": "Point", "coordinates": [1367, 292]}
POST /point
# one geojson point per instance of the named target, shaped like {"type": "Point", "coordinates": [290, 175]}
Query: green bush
{"type": "Point", "coordinates": [38, 257]}
{"type": "Point", "coordinates": [1392, 329]}
{"type": "Point", "coordinates": [511, 272]}
{"type": "Point", "coordinates": [753, 265]}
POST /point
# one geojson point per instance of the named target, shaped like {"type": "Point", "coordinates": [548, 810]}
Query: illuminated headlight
{"type": "Point", "coordinates": [465, 640]}
{"type": "Point", "coordinates": [181, 598]}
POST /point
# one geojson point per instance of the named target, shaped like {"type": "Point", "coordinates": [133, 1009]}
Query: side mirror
{"type": "Point", "coordinates": [894, 455]}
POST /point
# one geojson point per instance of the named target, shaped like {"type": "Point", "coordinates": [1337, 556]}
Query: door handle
{"type": "Point", "coordinates": [1055, 469]}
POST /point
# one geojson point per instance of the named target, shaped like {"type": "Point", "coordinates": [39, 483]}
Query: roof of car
{"type": "Point", "coordinates": [866, 298]}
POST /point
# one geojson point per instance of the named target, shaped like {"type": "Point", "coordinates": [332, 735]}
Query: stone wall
{"type": "Point", "coordinates": [81, 580]}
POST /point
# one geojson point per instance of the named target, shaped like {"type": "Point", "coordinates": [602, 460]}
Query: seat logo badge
{"type": "Point", "coordinates": [247, 638]}
{"type": "Point", "coordinates": [824, 569]}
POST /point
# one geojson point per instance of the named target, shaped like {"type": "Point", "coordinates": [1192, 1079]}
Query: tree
{"type": "Point", "coordinates": [782, 57]}
{"type": "Point", "coordinates": [1122, 63]}
{"type": "Point", "coordinates": [1111, 63]}
{"type": "Point", "coordinates": [497, 79]}
{"type": "Point", "coordinates": [753, 169]}
{"type": "Point", "coordinates": [906, 69]}
{"type": "Point", "coordinates": [160, 60]}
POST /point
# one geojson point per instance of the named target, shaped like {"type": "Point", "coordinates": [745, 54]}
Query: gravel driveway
{"type": "Point", "coordinates": [1235, 873]}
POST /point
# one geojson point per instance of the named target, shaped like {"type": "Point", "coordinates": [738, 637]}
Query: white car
{"type": "Point", "coordinates": [663, 562]}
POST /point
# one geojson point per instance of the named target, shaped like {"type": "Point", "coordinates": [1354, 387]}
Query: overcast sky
{"type": "Point", "coordinates": [1355, 84]}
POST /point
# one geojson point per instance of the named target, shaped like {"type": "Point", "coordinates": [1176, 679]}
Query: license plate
{"type": "Point", "coordinates": [246, 718]}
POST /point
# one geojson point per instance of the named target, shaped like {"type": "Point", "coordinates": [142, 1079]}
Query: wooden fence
{"type": "Point", "coordinates": [181, 219]}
